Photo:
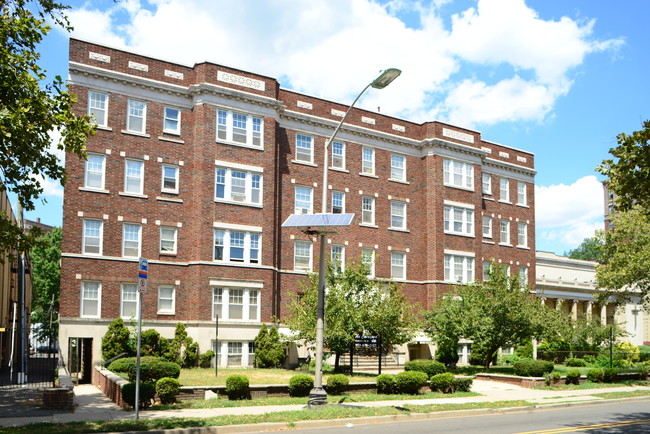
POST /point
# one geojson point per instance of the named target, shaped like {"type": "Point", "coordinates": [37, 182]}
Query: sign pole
{"type": "Point", "coordinates": [143, 272]}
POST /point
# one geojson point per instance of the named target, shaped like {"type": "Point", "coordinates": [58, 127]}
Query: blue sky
{"type": "Point", "coordinates": [558, 78]}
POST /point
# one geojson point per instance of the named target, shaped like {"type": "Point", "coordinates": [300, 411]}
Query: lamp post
{"type": "Point", "coordinates": [318, 396]}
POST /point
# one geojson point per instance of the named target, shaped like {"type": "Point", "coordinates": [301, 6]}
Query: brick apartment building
{"type": "Point", "coordinates": [196, 167]}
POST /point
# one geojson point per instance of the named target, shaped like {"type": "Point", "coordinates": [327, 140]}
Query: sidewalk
{"type": "Point", "coordinates": [93, 405]}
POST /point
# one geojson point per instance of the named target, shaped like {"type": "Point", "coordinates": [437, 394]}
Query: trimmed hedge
{"type": "Point", "coordinates": [610, 375]}
{"type": "Point", "coordinates": [300, 385]}
{"type": "Point", "coordinates": [152, 370]}
{"type": "Point", "coordinates": [532, 368]}
{"type": "Point", "coordinates": [237, 387]}
{"type": "Point", "coordinates": [410, 382]}
{"type": "Point", "coordinates": [573, 376]}
{"type": "Point", "coordinates": [429, 367]}
{"type": "Point", "coordinates": [445, 383]}
{"type": "Point", "coordinates": [386, 384]}
{"type": "Point", "coordinates": [337, 383]}
{"type": "Point", "coordinates": [596, 375]}
{"type": "Point", "coordinates": [464, 384]}
{"type": "Point", "coordinates": [124, 364]}
{"type": "Point", "coordinates": [147, 394]}
{"type": "Point", "coordinates": [167, 389]}
{"type": "Point", "coordinates": [575, 362]}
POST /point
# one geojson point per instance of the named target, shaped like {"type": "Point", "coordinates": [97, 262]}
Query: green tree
{"type": "Point", "coordinates": [30, 109]}
{"type": "Point", "coordinates": [589, 250]}
{"type": "Point", "coordinates": [269, 349]}
{"type": "Point", "coordinates": [117, 340]}
{"type": "Point", "coordinates": [46, 273]}
{"type": "Point", "coordinates": [629, 172]}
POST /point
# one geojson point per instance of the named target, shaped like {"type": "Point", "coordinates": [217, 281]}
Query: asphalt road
{"type": "Point", "coordinates": [599, 418]}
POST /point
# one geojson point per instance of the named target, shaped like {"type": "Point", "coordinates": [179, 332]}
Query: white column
{"type": "Point", "coordinates": [589, 309]}
{"type": "Point", "coordinates": [603, 314]}
{"type": "Point", "coordinates": [574, 310]}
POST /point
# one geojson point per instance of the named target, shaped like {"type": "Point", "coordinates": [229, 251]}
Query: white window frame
{"type": "Point", "coordinates": [86, 237]}
{"type": "Point", "coordinates": [124, 240]}
{"type": "Point", "coordinates": [487, 226]}
{"type": "Point", "coordinates": [133, 107]}
{"type": "Point", "coordinates": [164, 177]}
{"type": "Point", "coordinates": [342, 207]}
{"type": "Point", "coordinates": [338, 256]}
{"type": "Point", "coordinates": [229, 192]}
{"type": "Point", "coordinates": [456, 262]}
{"type": "Point", "coordinates": [304, 148]}
{"type": "Point", "coordinates": [227, 294]}
{"type": "Point", "coordinates": [504, 189]}
{"type": "Point", "coordinates": [338, 159]}
{"type": "Point", "coordinates": [486, 182]}
{"type": "Point", "coordinates": [91, 167]}
{"type": "Point", "coordinates": [504, 232]}
{"type": "Point", "coordinates": [367, 161]}
{"type": "Point", "coordinates": [486, 270]}
{"type": "Point", "coordinates": [131, 176]}
{"type": "Point", "coordinates": [522, 198]}
{"type": "Point", "coordinates": [301, 192]}
{"type": "Point", "coordinates": [397, 214]}
{"type": "Point", "coordinates": [167, 240]}
{"type": "Point", "coordinates": [300, 247]}
{"type": "Point", "coordinates": [170, 119]}
{"type": "Point", "coordinates": [458, 174]}
{"type": "Point", "coordinates": [455, 215]}
{"type": "Point", "coordinates": [133, 290]}
{"type": "Point", "coordinates": [398, 167]}
{"type": "Point", "coordinates": [368, 210]}
{"type": "Point", "coordinates": [253, 132]}
{"type": "Point", "coordinates": [368, 258]}
{"type": "Point", "coordinates": [87, 300]}
{"type": "Point", "coordinates": [523, 276]}
{"type": "Point", "coordinates": [93, 110]}
{"type": "Point", "coordinates": [235, 351]}
{"type": "Point", "coordinates": [171, 300]}
{"type": "Point", "coordinates": [522, 234]}
{"type": "Point", "coordinates": [398, 265]}
{"type": "Point", "coordinates": [251, 245]}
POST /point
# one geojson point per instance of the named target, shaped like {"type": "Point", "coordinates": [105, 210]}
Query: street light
{"type": "Point", "coordinates": [318, 396]}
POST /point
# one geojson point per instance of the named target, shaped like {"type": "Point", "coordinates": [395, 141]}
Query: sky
{"type": "Point", "coordinates": [559, 78]}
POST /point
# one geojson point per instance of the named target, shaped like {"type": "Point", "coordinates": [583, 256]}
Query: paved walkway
{"type": "Point", "coordinates": [92, 405]}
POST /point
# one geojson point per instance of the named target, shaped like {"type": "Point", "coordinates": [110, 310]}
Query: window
{"type": "Point", "coordinates": [487, 183]}
{"type": "Point", "coordinates": [338, 258]}
{"type": "Point", "coordinates": [459, 268]}
{"type": "Point", "coordinates": [304, 148]}
{"type": "Point", "coordinates": [235, 352]}
{"type": "Point", "coordinates": [237, 246]}
{"type": "Point", "coordinates": [133, 176]}
{"type": "Point", "coordinates": [136, 116]}
{"type": "Point", "coordinates": [98, 107]}
{"type": "Point", "coordinates": [131, 240]}
{"type": "Point", "coordinates": [458, 174]}
{"type": "Point", "coordinates": [172, 121]}
{"type": "Point", "coordinates": [522, 235]}
{"type": "Point", "coordinates": [239, 128]}
{"type": "Point", "coordinates": [368, 259]}
{"type": "Point", "coordinates": [169, 179]}
{"type": "Point", "coordinates": [236, 304]}
{"type": "Point", "coordinates": [303, 200]}
{"type": "Point", "coordinates": [167, 239]}
{"type": "Point", "coordinates": [486, 270]}
{"type": "Point", "coordinates": [368, 210]}
{"type": "Point", "coordinates": [232, 185]}
{"type": "Point", "coordinates": [90, 299]}
{"type": "Point", "coordinates": [504, 190]}
{"type": "Point", "coordinates": [302, 256]}
{"type": "Point", "coordinates": [523, 276]}
{"type": "Point", "coordinates": [521, 193]}
{"type": "Point", "coordinates": [398, 265]}
{"type": "Point", "coordinates": [397, 215]}
{"type": "Point", "coordinates": [94, 174]}
{"type": "Point", "coordinates": [459, 221]}
{"type": "Point", "coordinates": [338, 202]}
{"type": "Point", "coordinates": [368, 161]}
{"type": "Point", "coordinates": [487, 226]}
{"type": "Point", "coordinates": [398, 167]}
{"type": "Point", "coordinates": [505, 232]}
{"type": "Point", "coordinates": [338, 155]}
{"type": "Point", "coordinates": [166, 299]}
{"type": "Point", "coordinates": [92, 237]}
{"type": "Point", "coordinates": [130, 300]}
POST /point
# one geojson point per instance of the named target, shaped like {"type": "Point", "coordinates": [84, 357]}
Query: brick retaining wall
{"type": "Point", "coordinates": [111, 384]}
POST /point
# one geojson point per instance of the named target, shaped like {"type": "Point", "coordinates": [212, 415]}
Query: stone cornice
{"type": "Point", "coordinates": [509, 166]}
{"type": "Point", "coordinates": [237, 95]}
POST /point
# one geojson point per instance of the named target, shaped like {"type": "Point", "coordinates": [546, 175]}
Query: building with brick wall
{"type": "Point", "coordinates": [196, 167]}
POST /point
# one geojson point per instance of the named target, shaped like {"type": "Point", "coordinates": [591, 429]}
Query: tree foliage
{"type": "Point", "coordinates": [589, 250]}
{"type": "Point", "coordinates": [269, 349]}
{"type": "Point", "coordinates": [30, 109]}
{"type": "Point", "coordinates": [117, 340]}
{"type": "Point", "coordinates": [46, 273]}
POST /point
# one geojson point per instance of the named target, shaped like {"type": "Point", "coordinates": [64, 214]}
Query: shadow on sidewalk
{"type": "Point", "coordinates": [24, 402]}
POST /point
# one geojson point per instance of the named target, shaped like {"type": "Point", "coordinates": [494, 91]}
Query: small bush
{"type": "Point", "coordinates": [643, 369]}
{"type": "Point", "coordinates": [410, 382]}
{"type": "Point", "coordinates": [429, 367]}
{"type": "Point", "coordinates": [575, 362]}
{"type": "Point", "coordinates": [167, 388]}
{"type": "Point", "coordinates": [326, 366]}
{"type": "Point", "coordinates": [205, 359]}
{"type": "Point", "coordinates": [610, 375]}
{"type": "Point", "coordinates": [386, 384]}
{"type": "Point", "coordinates": [153, 369]}
{"type": "Point", "coordinates": [532, 368]}
{"type": "Point", "coordinates": [121, 365]}
{"type": "Point", "coordinates": [337, 383]}
{"type": "Point", "coordinates": [445, 383]}
{"type": "Point", "coordinates": [147, 394]}
{"type": "Point", "coordinates": [573, 376]}
{"type": "Point", "coordinates": [596, 375]}
{"type": "Point", "coordinates": [300, 385]}
{"type": "Point", "coordinates": [237, 387]}
{"type": "Point", "coordinates": [464, 384]}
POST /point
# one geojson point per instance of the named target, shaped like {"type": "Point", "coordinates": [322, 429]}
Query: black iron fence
{"type": "Point", "coordinates": [33, 366]}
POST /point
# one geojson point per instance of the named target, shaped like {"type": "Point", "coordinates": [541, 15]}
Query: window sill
{"type": "Point", "coordinates": [368, 225]}
{"type": "Point", "coordinates": [174, 192]}
{"type": "Point", "coordinates": [491, 199]}
{"type": "Point", "coordinates": [92, 190]}
{"type": "Point", "coordinates": [169, 199]}
{"type": "Point", "coordinates": [399, 181]}
{"type": "Point", "coordinates": [135, 133]}
{"type": "Point", "coordinates": [139, 196]}
{"type": "Point", "coordinates": [505, 245]}
{"type": "Point", "coordinates": [399, 230]}
{"type": "Point", "coordinates": [240, 145]}
{"type": "Point", "coordinates": [458, 187]}
{"type": "Point", "coordinates": [488, 242]}
{"type": "Point", "coordinates": [523, 205]}
{"type": "Point", "coordinates": [170, 139]}
{"type": "Point", "coordinates": [231, 202]}
{"type": "Point", "coordinates": [523, 247]}
{"type": "Point", "coordinates": [304, 163]}
{"type": "Point", "coordinates": [166, 313]}
{"type": "Point", "coordinates": [338, 169]}
{"type": "Point", "coordinates": [103, 128]}
{"type": "Point", "coordinates": [505, 201]}
{"type": "Point", "coordinates": [167, 253]}
{"type": "Point", "coordinates": [459, 234]}
{"type": "Point", "coordinates": [368, 175]}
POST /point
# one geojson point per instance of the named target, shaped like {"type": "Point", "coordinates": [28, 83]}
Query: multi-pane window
{"type": "Point", "coordinates": [166, 299]}
{"type": "Point", "coordinates": [486, 270]}
{"type": "Point", "coordinates": [239, 186]}
{"type": "Point", "coordinates": [239, 128]}
{"type": "Point", "coordinates": [237, 246]}
{"type": "Point", "coordinates": [368, 260]}
{"type": "Point", "coordinates": [302, 256]}
{"type": "Point", "coordinates": [487, 183]}
{"type": "Point", "coordinates": [98, 107]}
{"type": "Point", "coordinates": [236, 304]}
{"type": "Point", "coordinates": [523, 276]}
{"type": "Point", "coordinates": [235, 352]}
{"type": "Point", "coordinates": [398, 167]}
{"type": "Point", "coordinates": [92, 237]}
{"type": "Point", "coordinates": [137, 115]}
{"type": "Point", "coordinates": [459, 268]}
{"type": "Point", "coordinates": [133, 176]}
{"type": "Point", "coordinates": [487, 226]}
{"type": "Point", "coordinates": [168, 239]}
{"type": "Point", "coordinates": [459, 220]}
{"type": "Point", "coordinates": [169, 178]}
{"type": "Point", "coordinates": [398, 265]}
{"type": "Point", "coordinates": [522, 235]}
{"type": "Point", "coordinates": [303, 202]}
{"type": "Point", "coordinates": [304, 148]}
{"type": "Point", "coordinates": [131, 240]}
{"type": "Point", "coordinates": [338, 202]}
{"type": "Point", "coordinates": [368, 161]}
{"type": "Point", "coordinates": [130, 300]}
{"type": "Point", "coordinates": [521, 193]}
{"type": "Point", "coordinates": [458, 174]}
{"type": "Point", "coordinates": [504, 189]}
{"type": "Point", "coordinates": [172, 120]}
{"type": "Point", "coordinates": [368, 210]}
{"type": "Point", "coordinates": [94, 173]}
{"type": "Point", "coordinates": [504, 232]}
{"type": "Point", "coordinates": [91, 292]}
{"type": "Point", "coordinates": [338, 257]}
{"type": "Point", "coordinates": [397, 214]}
{"type": "Point", "coordinates": [338, 155]}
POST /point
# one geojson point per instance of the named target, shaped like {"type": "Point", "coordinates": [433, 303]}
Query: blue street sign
{"type": "Point", "coordinates": [143, 268]}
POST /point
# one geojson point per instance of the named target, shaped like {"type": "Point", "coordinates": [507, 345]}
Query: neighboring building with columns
{"type": "Point", "coordinates": [570, 285]}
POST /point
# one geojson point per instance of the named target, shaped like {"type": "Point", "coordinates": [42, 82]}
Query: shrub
{"type": "Point", "coordinates": [121, 365]}
{"type": "Point", "coordinates": [445, 383]}
{"type": "Point", "coordinates": [573, 376]}
{"type": "Point", "coordinates": [464, 384]}
{"type": "Point", "coordinates": [610, 375]}
{"type": "Point", "coordinates": [628, 352]}
{"type": "Point", "coordinates": [167, 388]}
{"type": "Point", "coordinates": [147, 394]}
{"type": "Point", "coordinates": [326, 366]}
{"type": "Point", "coordinates": [410, 382]}
{"type": "Point", "coordinates": [596, 375]}
{"type": "Point", "coordinates": [575, 362]}
{"type": "Point", "coordinates": [447, 352]}
{"type": "Point", "coordinates": [643, 369]}
{"type": "Point", "coordinates": [191, 355]}
{"type": "Point", "coordinates": [152, 344]}
{"type": "Point", "coordinates": [337, 383]}
{"type": "Point", "coordinates": [300, 385]}
{"type": "Point", "coordinates": [532, 368]}
{"type": "Point", "coordinates": [117, 340]}
{"type": "Point", "coordinates": [205, 359]}
{"type": "Point", "coordinates": [386, 384]}
{"type": "Point", "coordinates": [237, 387]}
{"type": "Point", "coordinates": [429, 367]}
{"type": "Point", "coordinates": [153, 369]}
{"type": "Point", "coordinates": [269, 350]}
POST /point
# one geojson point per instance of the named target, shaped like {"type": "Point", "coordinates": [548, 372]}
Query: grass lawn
{"type": "Point", "coordinates": [207, 377]}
